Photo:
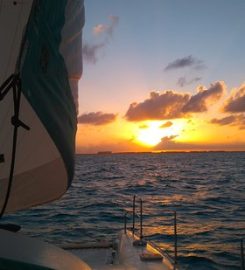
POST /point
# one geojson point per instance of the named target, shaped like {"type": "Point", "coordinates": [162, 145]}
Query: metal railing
{"type": "Point", "coordinates": [174, 258]}
{"type": "Point", "coordinates": [242, 256]}
{"type": "Point", "coordinates": [134, 213]}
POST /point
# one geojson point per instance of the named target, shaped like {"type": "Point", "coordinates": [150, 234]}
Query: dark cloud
{"type": "Point", "coordinates": [200, 101]}
{"type": "Point", "coordinates": [91, 51]}
{"type": "Point", "coordinates": [224, 121]}
{"type": "Point", "coordinates": [235, 120]}
{"type": "Point", "coordinates": [96, 118]}
{"type": "Point", "coordinates": [159, 106]}
{"type": "Point", "coordinates": [188, 61]}
{"type": "Point", "coordinates": [168, 143]}
{"type": "Point", "coordinates": [236, 102]}
{"type": "Point", "coordinates": [182, 81]}
{"type": "Point", "coordinates": [170, 104]}
{"type": "Point", "coordinates": [166, 124]}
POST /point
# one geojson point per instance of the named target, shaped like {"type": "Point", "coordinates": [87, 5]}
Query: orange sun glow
{"type": "Point", "coordinates": [151, 133]}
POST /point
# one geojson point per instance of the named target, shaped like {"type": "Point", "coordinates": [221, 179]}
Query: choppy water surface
{"type": "Point", "coordinates": [206, 190]}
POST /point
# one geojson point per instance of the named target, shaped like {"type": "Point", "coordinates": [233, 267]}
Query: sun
{"type": "Point", "coordinates": [150, 133]}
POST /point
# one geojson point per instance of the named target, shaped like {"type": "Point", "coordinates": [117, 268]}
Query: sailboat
{"type": "Point", "coordinates": [41, 64]}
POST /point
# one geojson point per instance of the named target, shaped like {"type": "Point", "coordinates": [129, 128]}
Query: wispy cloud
{"type": "Point", "coordinates": [187, 61]}
{"type": "Point", "coordinates": [96, 118]}
{"type": "Point", "coordinates": [107, 29]}
{"type": "Point", "coordinates": [182, 81]}
{"type": "Point", "coordinates": [91, 51]}
{"type": "Point", "coordinates": [234, 120]}
{"type": "Point", "coordinates": [99, 29]}
{"type": "Point", "coordinates": [170, 144]}
{"type": "Point", "coordinates": [224, 121]}
{"type": "Point", "coordinates": [171, 104]}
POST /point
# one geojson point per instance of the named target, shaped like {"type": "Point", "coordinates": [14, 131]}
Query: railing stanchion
{"type": "Point", "coordinates": [242, 256]}
{"type": "Point", "coordinates": [141, 219]}
{"type": "Point", "coordinates": [133, 214]}
{"type": "Point", "coordinates": [175, 240]}
{"type": "Point", "coordinates": [125, 222]}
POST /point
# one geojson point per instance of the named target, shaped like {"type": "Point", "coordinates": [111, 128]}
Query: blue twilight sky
{"type": "Point", "coordinates": [199, 41]}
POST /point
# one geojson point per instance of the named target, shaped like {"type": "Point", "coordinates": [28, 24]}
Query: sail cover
{"type": "Point", "coordinates": [43, 39]}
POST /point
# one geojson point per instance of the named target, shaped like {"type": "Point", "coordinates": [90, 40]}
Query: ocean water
{"type": "Point", "coordinates": [206, 189]}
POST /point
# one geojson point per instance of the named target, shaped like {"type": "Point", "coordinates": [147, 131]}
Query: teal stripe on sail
{"type": "Point", "coordinates": [45, 80]}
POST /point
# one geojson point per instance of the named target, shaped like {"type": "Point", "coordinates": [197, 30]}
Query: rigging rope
{"type": "Point", "coordinates": [14, 83]}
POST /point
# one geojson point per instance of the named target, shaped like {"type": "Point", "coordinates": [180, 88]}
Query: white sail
{"type": "Point", "coordinates": [48, 38]}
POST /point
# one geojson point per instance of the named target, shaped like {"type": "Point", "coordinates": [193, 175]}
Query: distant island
{"type": "Point", "coordinates": [104, 152]}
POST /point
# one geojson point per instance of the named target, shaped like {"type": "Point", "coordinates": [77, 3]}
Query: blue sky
{"type": "Point", "coordinates": [151, 34]}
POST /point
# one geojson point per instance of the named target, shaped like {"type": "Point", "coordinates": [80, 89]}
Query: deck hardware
{"type": "Point", "coordinates": [175, 240]}
{"type": "Point", "coordinates": [242, 256]}
{"type": "Point", "coordinates": [141, 219]}
{"type": "Point", "coordinates": [140, 242]}
{"type": "Point", "coordinates": [133, 230]}
{"type": "Point", "coordinates": [125, 222]}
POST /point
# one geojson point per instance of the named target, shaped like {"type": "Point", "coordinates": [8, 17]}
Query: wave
{"type": "Point", "coordinates": [194, 262]}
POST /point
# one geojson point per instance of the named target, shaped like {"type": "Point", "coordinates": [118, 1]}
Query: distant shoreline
{"type": "Point", "coordinates": [160, 152]}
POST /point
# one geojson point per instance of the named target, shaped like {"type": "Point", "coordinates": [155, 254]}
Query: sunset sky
{"type": "Point", "coordinates": [162, 75]}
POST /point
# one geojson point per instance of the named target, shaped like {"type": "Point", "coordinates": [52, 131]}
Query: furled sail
{"type": "Point", "coordinates": [41, 47]}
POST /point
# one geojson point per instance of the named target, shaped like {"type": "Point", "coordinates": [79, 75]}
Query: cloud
{"type": "Point", "coordinates": [224, 121]}
{"type": "Point", "coordinates": [96, 118]}
{"type": "Point", "coordinates": [188, 61]}
{"type": "Point", "coordinates": [159, 106]}
{"type": "Point", "coordinates": [200, 101]}
{"type": "Point", "coordinates": [166, 124]}
{"type": "Point", "coordinates": [183, 82]}
{"type": "Point", "coordinates": [91, 51]}
{"type": "Point", "coordinates": [171, 104]}
{"type": "Point", "coordinates": [99, 28]}
{"type": "Point", "coordinates": [107, 29]}
{"type": "Point", "coordinates": [143, 126]}
{"type": "Point", "coordinates": [169, 144]}
{"type": "Point", "coordinates": [236, 102]}
{"type": "Point", "coordinates": [235, 120]}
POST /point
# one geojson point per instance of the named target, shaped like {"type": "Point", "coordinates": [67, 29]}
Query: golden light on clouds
{"type": "Point", "coordinates": [169, 121]}
{"type": "Point", "coordinates": [150, 133]}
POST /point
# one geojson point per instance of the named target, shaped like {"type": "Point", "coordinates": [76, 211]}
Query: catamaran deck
{"type": "Point", "coordinates": [126, 256]}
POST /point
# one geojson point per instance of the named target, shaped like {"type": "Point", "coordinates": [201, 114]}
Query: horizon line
{"type": "Point", "coordinates": [161, 152]}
